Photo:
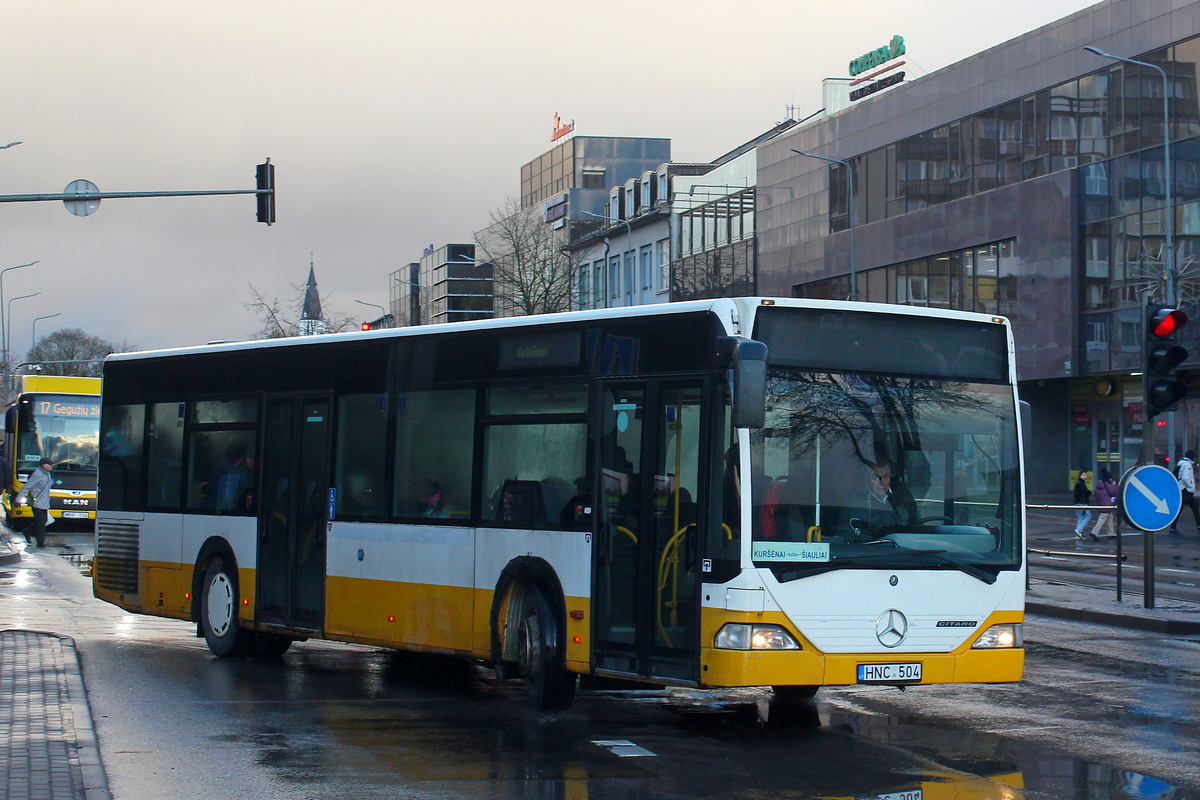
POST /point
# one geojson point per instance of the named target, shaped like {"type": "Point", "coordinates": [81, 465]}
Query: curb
{"type": "Point", "coordinates": [95, 781]}
{"type": "Point", "coordinates": [1170, 627]}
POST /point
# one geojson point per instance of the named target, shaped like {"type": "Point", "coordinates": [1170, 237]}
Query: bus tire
{"type": "Point", "coordinates": [270, 645]}
{"type": "Point", "coordinates": [548, 683]}
{"type": "Point", "coordinates": [795, 692]}
{"type": "Point", "coordinates": [219, 611]}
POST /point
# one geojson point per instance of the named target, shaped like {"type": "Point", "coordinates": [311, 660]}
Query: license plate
{"type": "Point", "coordinates": [889, 673]}
{"type": "Point", "coordinates": [74, 515]}
{"type": "Point", "coordinates": [907, 794]}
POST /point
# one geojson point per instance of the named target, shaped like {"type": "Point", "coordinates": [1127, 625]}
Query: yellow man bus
{"type": "Point", "coordinates": [59, 417]}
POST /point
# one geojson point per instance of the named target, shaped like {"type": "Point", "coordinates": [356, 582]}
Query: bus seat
{"type": "Point", "coordinates": [521, 502]}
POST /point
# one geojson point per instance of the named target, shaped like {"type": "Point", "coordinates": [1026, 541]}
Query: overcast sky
{"type": "Point", "coordinates": [392, 125]}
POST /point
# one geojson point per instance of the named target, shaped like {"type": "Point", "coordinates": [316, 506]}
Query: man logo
{"type": "Point", "coordinates": [891, 628]}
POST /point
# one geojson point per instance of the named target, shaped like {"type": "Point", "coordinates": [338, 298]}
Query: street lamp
{"type": "Point", "coordinates": [33, 333]}
{"type": "Point", "coordinates": [850, 177]}
{"type": "Point", "coordinates": [628, 229]}
{"type": "Point", "coordinates": [383, 318]}
{"type": "Point", "coordinates": [3, 335]}
{"type": "Point", "coordinates": [1169, 260]}
{"type": "Point", "coordinates": [8, 329]}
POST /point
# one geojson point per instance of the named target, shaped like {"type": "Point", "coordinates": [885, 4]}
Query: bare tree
{"type": "Point", "coordinates": [71, 351]}
{"type": "Point", "coordinates": [279, 321]}
{"type": "Point", "coordinates": [531, 272]}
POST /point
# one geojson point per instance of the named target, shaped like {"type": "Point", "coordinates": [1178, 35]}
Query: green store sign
{"type": "Point", "coordinates": [880, 55]}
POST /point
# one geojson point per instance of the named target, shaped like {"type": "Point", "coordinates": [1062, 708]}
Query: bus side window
{"type": "Point", "coordinates": [359, 466]}
{"type": "Point", "coordinates": [435, 441]}
{"type": "Point", "coordinates": [121, 432]}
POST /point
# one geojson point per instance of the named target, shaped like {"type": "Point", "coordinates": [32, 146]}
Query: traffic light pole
{"type": "Point", "coordinates": [1148, 437]}
{"type": "Point", "coordinates": [82, 198]}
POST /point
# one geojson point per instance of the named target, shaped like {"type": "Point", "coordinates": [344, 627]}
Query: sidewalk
{"type": "Point", "coordinates": [48, 746]}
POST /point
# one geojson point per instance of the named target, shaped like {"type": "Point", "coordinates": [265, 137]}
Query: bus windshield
{"type": "Point", "coordinates": [855, 470]}
{"type": "Point", "coordinates": [64, 427]}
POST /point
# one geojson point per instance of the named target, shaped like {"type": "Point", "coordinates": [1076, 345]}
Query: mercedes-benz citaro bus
{"type": "Point", "coordinates": [59, 417]}
{"type": "Point", "coordinates": [721, 493]}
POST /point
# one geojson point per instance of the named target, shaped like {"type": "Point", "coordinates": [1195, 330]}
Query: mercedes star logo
{"type": "Point", "coordinates": [891, 628]}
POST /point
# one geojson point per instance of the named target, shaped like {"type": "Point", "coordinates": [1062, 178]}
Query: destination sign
{"type": "Point", "coordinates": [65, 407]}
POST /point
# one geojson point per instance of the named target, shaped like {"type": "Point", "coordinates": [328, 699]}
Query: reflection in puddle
{"type": "Point", "coordinates": [1042, 772]}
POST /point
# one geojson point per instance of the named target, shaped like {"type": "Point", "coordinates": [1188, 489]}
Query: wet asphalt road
{"type": "Point", "coordinates": [1103, 713]}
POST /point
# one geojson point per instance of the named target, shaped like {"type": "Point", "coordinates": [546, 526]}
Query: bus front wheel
{"type": "Point", "coordinates": [219, 610]}
{"type": "Point", "coordinates": [539, 654]}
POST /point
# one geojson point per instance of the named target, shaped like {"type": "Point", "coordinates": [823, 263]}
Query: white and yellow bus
{"type": "Point", "coordinates": [734, 492]}
{"type": "Point", "coordinates": [55, 416]}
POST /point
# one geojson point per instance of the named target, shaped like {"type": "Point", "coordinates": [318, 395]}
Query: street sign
{"type": "Point", "coordinates": [84, 200]}
{"type": "Point", "coordinates": [1149, 497]}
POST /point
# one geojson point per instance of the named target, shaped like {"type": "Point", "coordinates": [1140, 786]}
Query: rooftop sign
{"type": "Point", "coordinates": [561, 128]}
{"type": "Point", "coordinates": [878, 56]}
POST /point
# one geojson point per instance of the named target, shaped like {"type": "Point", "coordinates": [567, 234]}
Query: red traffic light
{"type": "Point", "coordinates": [1166, 322]}
{"type": "Point", "coordinates": [366, 326]}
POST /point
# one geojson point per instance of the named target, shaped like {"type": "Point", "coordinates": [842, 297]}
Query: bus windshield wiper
{"type": "Point", "coordinates": [937, 555]}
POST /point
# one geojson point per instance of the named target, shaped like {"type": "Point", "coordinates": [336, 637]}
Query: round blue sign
{"type": "Point", "coordinates": [1149, 497]}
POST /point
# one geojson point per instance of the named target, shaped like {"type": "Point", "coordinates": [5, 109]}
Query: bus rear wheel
{"type": "Point", "coordinates": [219, 611]}
{"type": "Point", "coordinates": [795, 692]}
{"type": "Point", "coordinates": [539, 654]}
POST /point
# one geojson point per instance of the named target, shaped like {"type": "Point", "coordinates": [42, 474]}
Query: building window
{"type": "Point", "coordinates": [664, 265]}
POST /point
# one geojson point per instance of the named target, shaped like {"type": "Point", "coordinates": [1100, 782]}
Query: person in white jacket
{"type": "Point", "coordinates": [37, 491]}
{"type": "Point", "coordinates": [1186, 475]}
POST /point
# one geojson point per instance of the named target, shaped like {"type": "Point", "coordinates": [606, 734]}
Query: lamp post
{"type": "Point", "coordinates": [628, 230]}
{"type": "Point", "coordinates": [8, 320]}
{"type": "Point", "coordinates": [1169, 260]}
{"type": "Point", "coordinates": [850, 179]}
{"type": "Point", "coordinates": [383, 318]}
{"type": "Point", "coordinates": [33, 333]}
{"type": "Point", "coordinates": [3, 335]}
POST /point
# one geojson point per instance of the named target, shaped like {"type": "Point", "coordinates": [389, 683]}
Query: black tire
{"type": "Point", "coordinates": [219, 611]}
{"type": "Point", "coordinates": [540, 646]}
{"type": "Point", "coordinates": [270, 645]}
{"type": "Point", "coordinates": [795, 692]}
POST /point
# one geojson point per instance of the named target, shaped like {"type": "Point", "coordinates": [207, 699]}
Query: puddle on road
{"type": "Point", "coordinates": [441, 726]}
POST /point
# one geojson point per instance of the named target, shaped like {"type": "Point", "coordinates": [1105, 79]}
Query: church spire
{"type": "Point", "coordinates": [311, 319]}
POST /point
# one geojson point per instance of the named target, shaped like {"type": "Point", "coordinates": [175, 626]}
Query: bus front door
{"type": "Point", "coordinates": [293, 513]}
{"type": "Point", "coordinates": [645, 581]}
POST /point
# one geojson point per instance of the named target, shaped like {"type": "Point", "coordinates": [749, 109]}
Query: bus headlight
{"type": "Point", "coordinates": [1008, 634]}
{"type": "Point", "coordinates": [744, 636]}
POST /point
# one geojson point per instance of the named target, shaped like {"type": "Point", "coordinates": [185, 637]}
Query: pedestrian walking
{"type": "Point", "coordinates": [1105, 494]}
{"type": "Point", "coordinates": [1185, 473]}
{"type": "Point", "coordinates": [1083, 497]}
{"type": "Point", "coordinates": [37, 492]}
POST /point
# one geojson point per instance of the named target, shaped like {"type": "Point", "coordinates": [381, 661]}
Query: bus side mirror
{"type": "Point", "coordinates": [746, 361]}
{"type": "Point", "coordinates": [10, 420]}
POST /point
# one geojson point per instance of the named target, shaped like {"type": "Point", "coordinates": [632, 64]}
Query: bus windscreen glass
{"type": "Point", "coordinates": [64, 427]}
{"type": "Point", "coordinates": [872, 470]}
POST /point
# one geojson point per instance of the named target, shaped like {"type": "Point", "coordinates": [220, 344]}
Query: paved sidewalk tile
{"type": "Point", "coordinates": [48, 748]}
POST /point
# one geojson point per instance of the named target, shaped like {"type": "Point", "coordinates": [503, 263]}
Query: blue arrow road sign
{"type": "Point", "coordinates": [1150, 498]}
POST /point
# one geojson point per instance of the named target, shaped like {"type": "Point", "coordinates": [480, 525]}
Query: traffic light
{"type": "Point", "coordinates": [1163, 355]}
{"type": "Point", "coordinates": [265, 173]}
{"type": "Point", "coordinates": [366, 326]}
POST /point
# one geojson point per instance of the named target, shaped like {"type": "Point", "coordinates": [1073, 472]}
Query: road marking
{"type": "Point", "coordinates": [1173, 569]}
{"type": "Point", "coordinates": [623, 747]}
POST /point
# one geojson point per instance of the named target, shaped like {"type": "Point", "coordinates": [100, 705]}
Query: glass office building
{"type": "Point", "coordinates": [1029, 180]}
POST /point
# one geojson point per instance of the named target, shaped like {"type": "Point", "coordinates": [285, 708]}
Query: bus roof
{"type": "Point", "coordinates": [57, 384]}
{"type": "Point", "coordinates": [731, 311]}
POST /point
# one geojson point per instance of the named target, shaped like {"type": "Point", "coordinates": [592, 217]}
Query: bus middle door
{"type": "Point", "coordinates": [293, 513]}
{"type": "Point", "coordinates": [645, 583]}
